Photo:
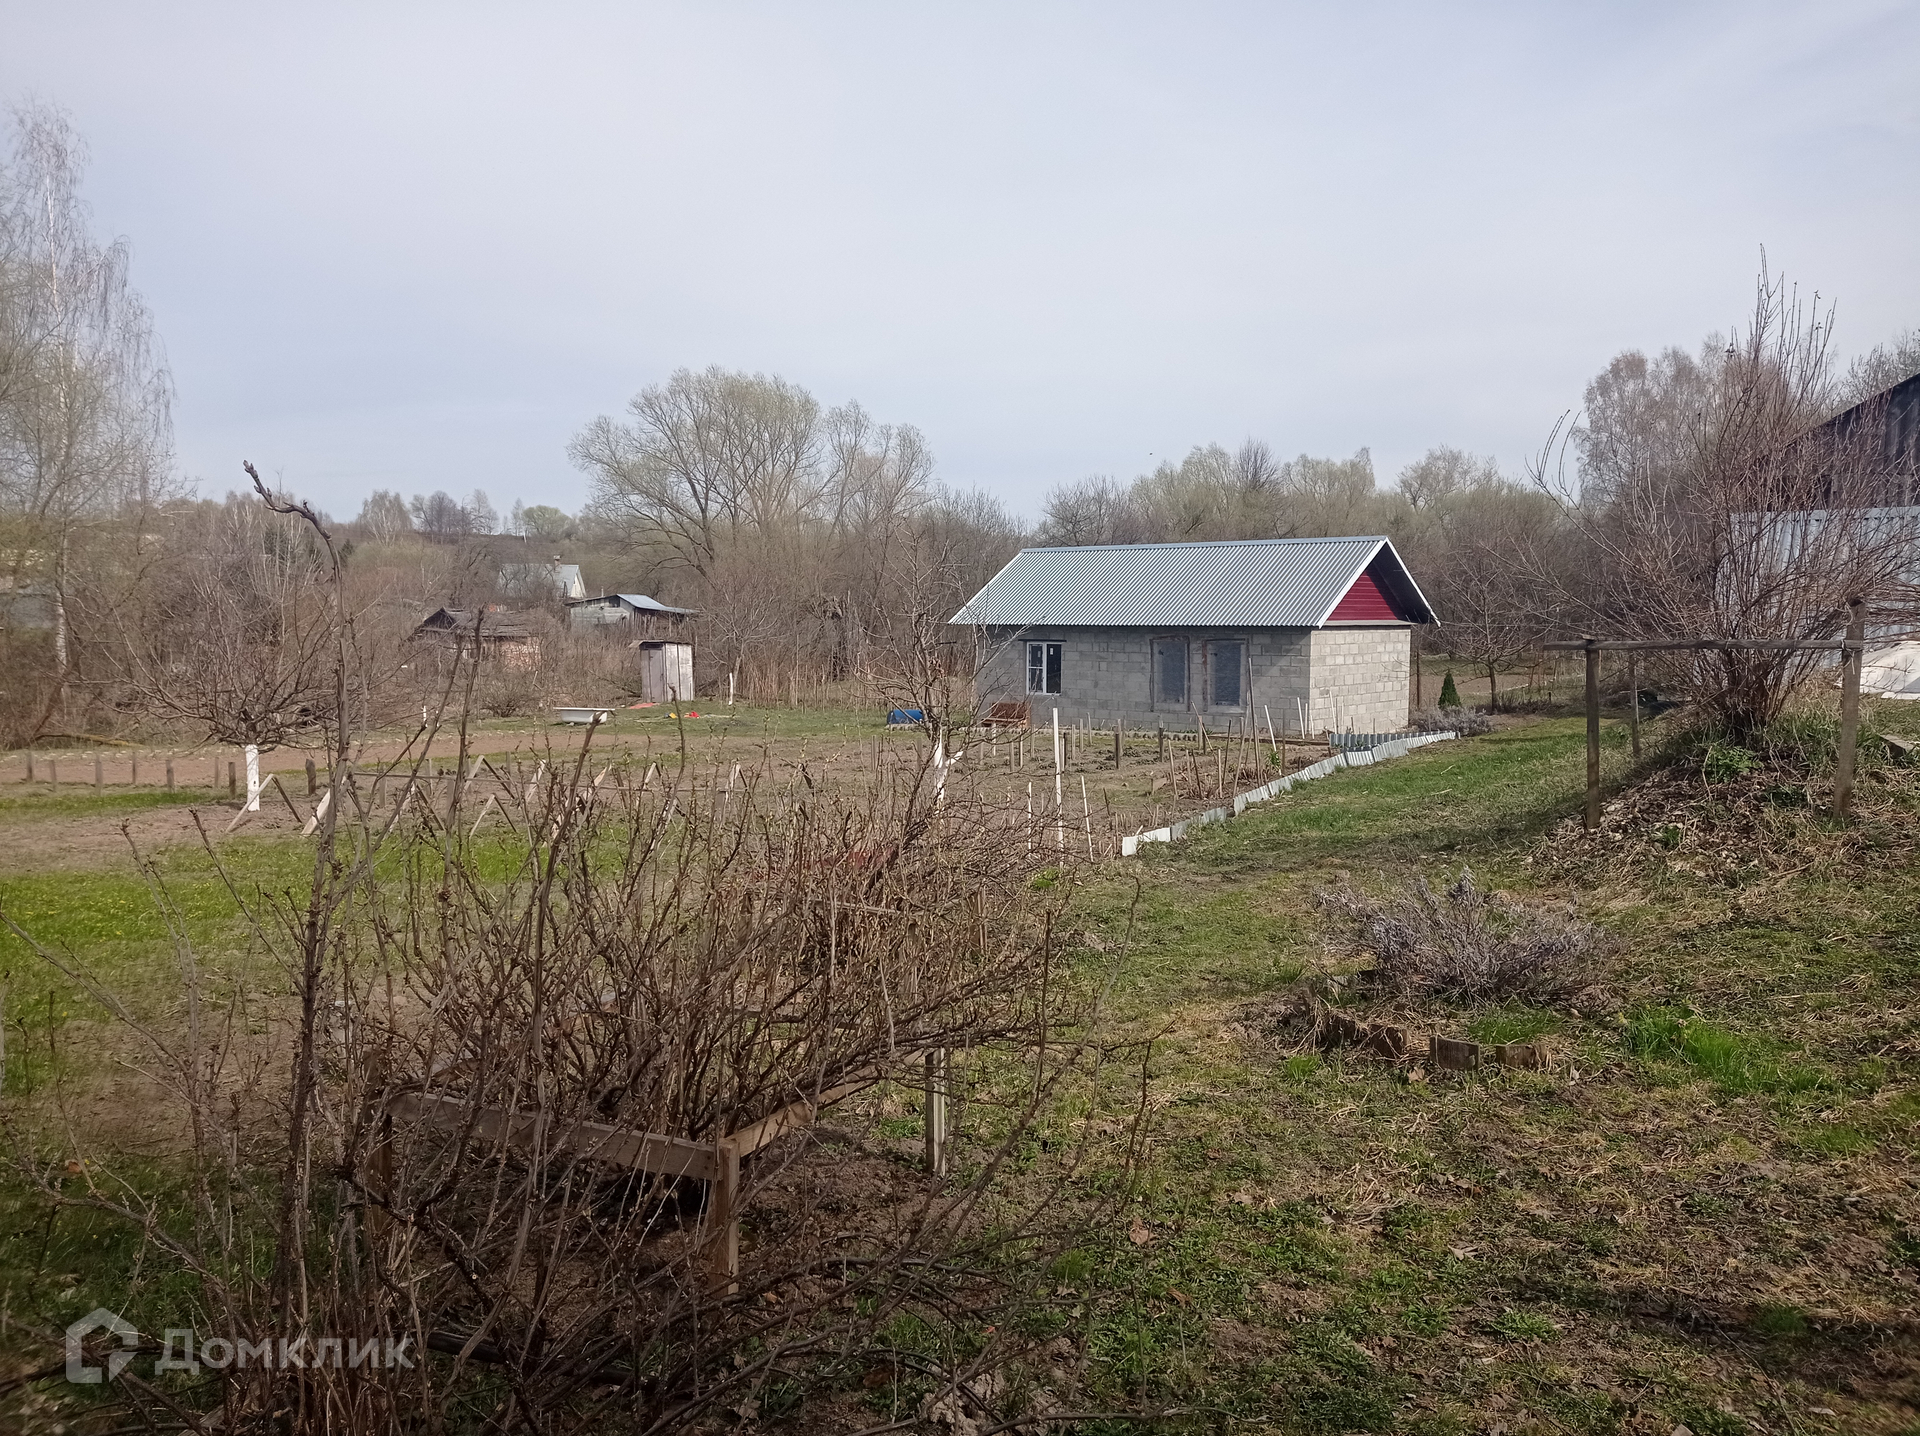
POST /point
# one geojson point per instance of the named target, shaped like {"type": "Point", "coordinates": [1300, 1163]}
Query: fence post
{"type": "Point", "coordinates": [29, 765]}
{"type": "Point", "coordinates": [53, 774]}
{"type": "Point", "coordinates": [1592, 822]}
{"type": "Point", "coordinates": [312, 778]}
{"type": "Point", "coordinates": [169, 775]}
{"type": "Point", "coordinates": [1851, 658]}
{"type": "Point", "coordinates": [233, 781]}
{"type": "Point", "coordinates": [99, 776]}
{"type": "Point", "coordinates": [135, 779]}
{"type": "Point", "coordinates": [1118, 724]}
{"type": "Point", "coordinates": [934, 1114]}
{"type": "Point", "coordinates": [1633, 690]}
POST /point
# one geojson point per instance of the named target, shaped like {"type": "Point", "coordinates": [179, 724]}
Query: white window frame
{"type": "Point", "coordinates": [1046, 649]}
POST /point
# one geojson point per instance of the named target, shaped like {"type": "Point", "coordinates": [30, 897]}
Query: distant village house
{"type": "Point", "coordinates": [506, 637]}
{"type": "Point", "coordinates": [1314, 634]}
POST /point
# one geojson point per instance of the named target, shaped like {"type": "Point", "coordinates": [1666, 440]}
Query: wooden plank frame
{"type": "Point", "coordinates": [716, 1163]}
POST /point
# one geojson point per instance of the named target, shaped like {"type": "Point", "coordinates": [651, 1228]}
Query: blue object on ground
{"type": "Point", "coordinates": [905, 715]}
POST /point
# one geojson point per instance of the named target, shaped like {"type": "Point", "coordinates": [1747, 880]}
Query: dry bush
{"type": "Point", "coordinates": [1469, 944]}
{"type": "Point", "coordinates": [597, 956]}
{"type": "Point", "coordinates": [1467, 722]}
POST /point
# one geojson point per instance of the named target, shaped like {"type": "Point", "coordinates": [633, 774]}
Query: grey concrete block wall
{"type": "Point", "coordinates": [1295, 675]}
{"type": "Point", "coordinates": [1361, 678]}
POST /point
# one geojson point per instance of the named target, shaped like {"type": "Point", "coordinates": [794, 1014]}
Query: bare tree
{"type": "Point", "coordinates": [384, 516]}
{"type": "Point", "coordinates": [1880, 368]}
{"type": "Point", "coordinates": [1711, 505]}
{"type": "Point", "coordinates": [85, 426]}
{"type": "Point", "coordinates": [235, 634]}
{"type": "Point", "coordinates": [705, 456]}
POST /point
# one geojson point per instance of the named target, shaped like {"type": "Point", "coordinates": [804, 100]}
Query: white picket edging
{"type": "Point", "coordinates": [1398, 748]}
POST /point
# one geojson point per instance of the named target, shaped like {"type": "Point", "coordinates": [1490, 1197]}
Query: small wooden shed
{"type": "Point", "coordinates": [666, 670]}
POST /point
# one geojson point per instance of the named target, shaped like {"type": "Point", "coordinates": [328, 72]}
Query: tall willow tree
{"type": "Point", "coordinates": [85, 428]}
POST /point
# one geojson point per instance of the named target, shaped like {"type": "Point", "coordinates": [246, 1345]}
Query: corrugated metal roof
{"type": "Point", "coordinates": [635, 600]}
{"type": "Point", "coordinates": [652, 605]}
{"type": "Point", "coordinates": [1252, 583]}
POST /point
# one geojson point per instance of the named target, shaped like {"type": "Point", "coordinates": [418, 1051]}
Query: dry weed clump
{"type": "Point", "coordinates": [1465, 943]}
{"type": "Point", "coordinates": [1467, 722]}
{"type": "Point", "coordinates": [1733, 815]}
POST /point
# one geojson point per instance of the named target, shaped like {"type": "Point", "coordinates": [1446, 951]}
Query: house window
{"type": "Point", "coordinates": [1043, 668]}
{"type": "Point", "coordinates": [1224, 661]}
{"type": "Point", "coordinates": [1170, 671]}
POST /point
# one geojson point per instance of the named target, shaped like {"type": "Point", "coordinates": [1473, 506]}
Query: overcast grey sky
{"type": "Point", "coordinates": [418, 246]}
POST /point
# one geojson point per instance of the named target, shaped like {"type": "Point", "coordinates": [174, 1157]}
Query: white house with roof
{"type": "Point", "coordinates": [1314, 634]}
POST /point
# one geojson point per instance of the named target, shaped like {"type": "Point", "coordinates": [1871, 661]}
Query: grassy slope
{"type": "Point", "coordinates": [1684, 1220]}
{"type": "Point", "coordinates": [1685, 1216]}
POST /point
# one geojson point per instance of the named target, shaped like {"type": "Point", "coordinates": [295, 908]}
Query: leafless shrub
{"type": "Point", "coordinates": [1467, 722]}
{"type": "Point", "coordinates": [1712, 502]}
{"type": "Point", "coordinates": [499, 985]}
{"type": "Point", "coordinates": [1466, 943]}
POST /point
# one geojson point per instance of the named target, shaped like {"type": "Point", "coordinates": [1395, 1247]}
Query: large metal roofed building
{"type": "Point", "coordinates": [1310, 633]}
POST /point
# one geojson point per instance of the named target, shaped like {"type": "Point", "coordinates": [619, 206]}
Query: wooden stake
{"type": "Point", "coordinates": [99, 779]}
{"type": "Point", "coordinates": [169, 775]}
{"type": "Point", "coordinates": [1851, 659]}
{"type": "Point", "coordinates": [939, 1073]}
{"type": "Point", "coordinates": [1633, 695]}
{"type": "Point", "coordinates": [1592, 818]}
{"type": "Point", "coordinates": [312, 779]}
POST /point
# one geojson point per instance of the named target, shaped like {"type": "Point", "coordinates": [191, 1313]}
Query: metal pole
{"type": "Point", "coordinates": [1593, 735]}
{"type": "Point", "coordinates": [1850, 661]}
{"type": "Point", "coordinates": [1633, 713]}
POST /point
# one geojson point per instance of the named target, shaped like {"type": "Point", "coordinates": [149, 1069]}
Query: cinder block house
{"type": "Point", "coordinates": [1314, 632]}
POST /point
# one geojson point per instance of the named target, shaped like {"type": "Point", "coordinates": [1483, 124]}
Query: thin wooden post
{"type": "Point", "coordinates": [1200, 722]}
{"type": "Point", "coordinates": [233, 781]}
{"type": "Point", "coordinates": [939, 1071]}
{"type": "Point", "coordinates": [313, 779]}
{"type": "Point", "coordinates": [1163, 745]}
{"type": "Point", "coordinates": [723, 1216]}
{"type": "Point", "coordinates": [1059, 792]}
{"type": "Point", "coordinates": [135, 779]}
{"type": "Point", "coordinates": [29, 765]}
{"type": "Point", "coordinates": [53, 774]}
{"type": "Point", "coordinates": [1851, 658]}
{"type": "Point", "coordinates": [214, 781]}
{"type": "Point", "coordinates": [99, 775]}
{"type": "Point", "coordinates": [1592, 821]}
{"type": "Point", "coordinates": [169, 775]}
{"type": "Point", "coordinates": [378, 1213]}
{"type": "Point", "coordinates": [1633, 694]}
{"type": "Point", "coordinates": [1118, 724]}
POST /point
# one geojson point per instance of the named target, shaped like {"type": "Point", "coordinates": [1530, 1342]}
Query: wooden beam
{"type": "Point", "coordinates": [799, 1114]}
{"type": "Point", "coordinates": [644, 1151]}
{"type": "Point", "coordinates": [1679, 645]}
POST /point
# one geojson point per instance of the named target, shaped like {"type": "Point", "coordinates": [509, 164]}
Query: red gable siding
{"type": "Point", "coordinates": [1364, 603]}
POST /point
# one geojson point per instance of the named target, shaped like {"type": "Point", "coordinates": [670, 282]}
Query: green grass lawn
{"type": "Point", "coordinates": [1705, 1213]}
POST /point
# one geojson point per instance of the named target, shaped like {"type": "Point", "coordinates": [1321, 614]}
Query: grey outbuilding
{"type": "Point", "coordinates": [1311, 634]}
